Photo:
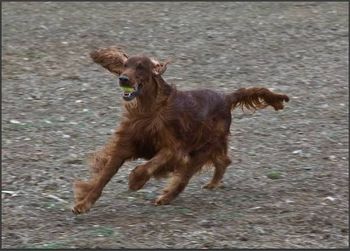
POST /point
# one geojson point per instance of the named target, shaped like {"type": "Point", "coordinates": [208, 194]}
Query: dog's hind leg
{"type": "Point", "coordinates": [220, 164]}
{"type": "Point", "coordinates": [220, 160]}
{"type": "Point", "coordinates": [142, 173]}
{"type": "Point", "coordinates": [184, 171]}
{"type": "Point", "coordinates": [177, 184]}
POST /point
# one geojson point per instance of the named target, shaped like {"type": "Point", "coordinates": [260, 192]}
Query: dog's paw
{"type": "Point", "coordinates": [81, 189]}
{"type": "Point", "coordinates": [138, 178]}
{"type": "Point", "coordinates": [81, 207]}
{"type": "Point", "coordinates": [211, 186]}
{"type": "Point", "coordinates": [162, 200]}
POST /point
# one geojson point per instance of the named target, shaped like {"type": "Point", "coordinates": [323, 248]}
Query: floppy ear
{"type": "Point", "coordinates": [158, 67]}
{"type": "Point", "coordinates": [111, 58]}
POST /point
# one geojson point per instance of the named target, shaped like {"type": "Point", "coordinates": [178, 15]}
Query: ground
{"type": "Point", "coordinates": [288, 184]}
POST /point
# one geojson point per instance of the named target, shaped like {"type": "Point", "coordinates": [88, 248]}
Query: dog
{"type": "Point", "coordinates": [178, 132]}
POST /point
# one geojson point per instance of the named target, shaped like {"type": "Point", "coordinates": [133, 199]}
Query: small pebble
{"type": "Point", "coordinates": [206, 223]}
{"type": "Point", "coordinates": [243, 238]}
{"type": "Point", "coordinates": [307, 168]}
{"type": "Point", "coordinates": [330, 198]}
{"type": "Point", "coordinates": [15, 121]}
{"type": "Point", "coordinates": [332, 157]}
{"type": "Point", "coordinates": [298, 151]}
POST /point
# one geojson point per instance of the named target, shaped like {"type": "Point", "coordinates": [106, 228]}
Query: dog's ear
{"type": "Point", "coordinates": [111, 58]}
{"type": "Point", "coordinates": [159, 67]}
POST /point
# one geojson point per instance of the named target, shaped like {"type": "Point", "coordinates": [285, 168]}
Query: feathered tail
{"type": "Point", "coordinates": [256, 98]}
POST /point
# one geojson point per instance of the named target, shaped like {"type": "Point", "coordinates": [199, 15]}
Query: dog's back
{"type": "Point", "coordinates": [198, 116]}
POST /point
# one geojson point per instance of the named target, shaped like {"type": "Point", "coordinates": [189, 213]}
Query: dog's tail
{"type": "Point", "coordinates": [256, 98]}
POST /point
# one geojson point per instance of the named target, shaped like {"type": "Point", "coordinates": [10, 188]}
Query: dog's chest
{"type": "Point", "coordinates": [148, 136]}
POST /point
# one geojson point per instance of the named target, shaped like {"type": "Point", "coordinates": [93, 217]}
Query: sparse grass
{"type": "Point", "coordinates": [274, 175]}
{"type": "Point", "coordinates": [49, 245]}
{"type": "Point", "coordinates": [102, 232]}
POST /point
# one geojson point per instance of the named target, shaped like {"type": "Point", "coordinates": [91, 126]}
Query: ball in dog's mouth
{"type": "Point", "coordinates": [130, 93]}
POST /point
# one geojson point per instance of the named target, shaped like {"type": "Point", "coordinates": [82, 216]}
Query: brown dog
{"type": "Point", "coordinates": [178, 132]}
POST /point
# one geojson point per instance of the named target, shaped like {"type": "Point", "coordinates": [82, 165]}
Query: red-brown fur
{"type": "Point", "coordinates": [178, 132]}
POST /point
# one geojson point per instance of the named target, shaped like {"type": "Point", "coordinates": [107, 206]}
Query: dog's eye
{"type": "Point", "coordinates": [139, 66]}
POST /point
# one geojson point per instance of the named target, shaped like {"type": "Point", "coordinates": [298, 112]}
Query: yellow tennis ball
{"type": "Point", "coordinates": [127, 89]}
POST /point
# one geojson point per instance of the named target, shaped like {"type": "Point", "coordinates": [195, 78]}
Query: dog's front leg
{"type": "Point", "coordinates": [104, 168]}
{"type": "Point", "coordinates": [142, 173]}
{"type": "Point", "coordinates": [97, 185]}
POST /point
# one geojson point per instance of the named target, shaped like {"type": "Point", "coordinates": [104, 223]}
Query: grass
{"type": "Point", "coordinates": [49, 245]}
{"type": "Point", "coordinates": [103, 232]}
{"type": "Point", "coordinates": [274, 175]}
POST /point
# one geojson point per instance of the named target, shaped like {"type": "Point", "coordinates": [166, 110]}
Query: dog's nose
{"type": "Point", "coordinates": [123, 79]}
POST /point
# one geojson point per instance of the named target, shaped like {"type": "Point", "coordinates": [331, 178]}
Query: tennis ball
{"type": "Point", "coordinates": [127, 89]}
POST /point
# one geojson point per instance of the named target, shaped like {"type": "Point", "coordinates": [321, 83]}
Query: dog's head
{"type": "Point", "coordinates": [135, 72]}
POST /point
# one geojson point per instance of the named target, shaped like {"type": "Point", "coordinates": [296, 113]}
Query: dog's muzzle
{"type": "Point", "coordinates": [129, 91]}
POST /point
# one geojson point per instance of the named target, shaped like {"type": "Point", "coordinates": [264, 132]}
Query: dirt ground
{"type": "Point", "coordinates": [288, 184]}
